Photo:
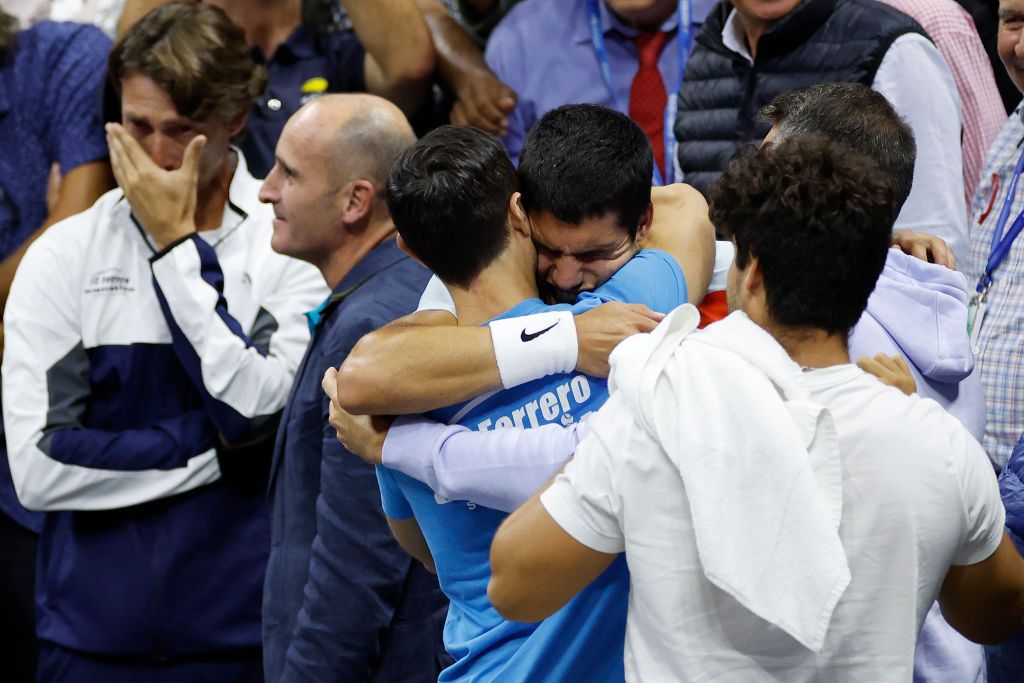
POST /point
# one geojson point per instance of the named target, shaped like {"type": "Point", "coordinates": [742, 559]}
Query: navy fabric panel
{"type": "Point", "coordinates": [263, 328]}
{"type": "Point", "coordinates": [90, 424]}
{"type": "Point", "coordinates": [1004, 662]}
{"type": "Point", "coordinates": [209, 270]}
{"type": "Point", "coordinates": [351, 603]}
{"type": "Point", "coordinates": [336, 57]}
{"type": "Point", "coordinates": [167, 444]}
{"type": "Point", "coordinates": [132, 386]}
{"type": "Point", "coordinates": [175, 577]}
{"type": "Point", "coordinates": [231, 424]}
{"type": "Point", "coordinates": [61, 664]}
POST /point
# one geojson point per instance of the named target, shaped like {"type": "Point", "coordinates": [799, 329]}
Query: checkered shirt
{"type": "Point", "coordinates": [1001, 350]}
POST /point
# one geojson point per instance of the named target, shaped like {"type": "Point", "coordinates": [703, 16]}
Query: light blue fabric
{"type": "Point", "coordinates": [584, 640]}
{"type": "Point", "coordinates": [919, 311]}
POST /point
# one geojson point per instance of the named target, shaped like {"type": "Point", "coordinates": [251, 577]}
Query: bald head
{"type": "Point", "coordinates": [327, 183]}
{"type": "Point", "coordinates": [359, 136]}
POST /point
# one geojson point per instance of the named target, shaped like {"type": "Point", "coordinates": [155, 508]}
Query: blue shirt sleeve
{"type": "Point", "coordinates": [74, 92]}
{"type": "Point", "coordinates": [504, 56]}
{"type": "Point", "coordinates": [652, 277]}
{"type": "Point", "coordinates": [394, 502]}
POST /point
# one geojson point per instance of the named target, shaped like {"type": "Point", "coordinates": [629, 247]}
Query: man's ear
{"type": "Point", "coordinates": [643, 227]}
{"type": "Point", "coordinates": [357, 200]}
{"type": "Point", "coordinates": [753, 277]}
{"type": "Point", "coordinates": [236, 125]}
{"type": "Point", "coordinates": [405, 247]}
{"type": "Point", "coordinates": [516, 216]}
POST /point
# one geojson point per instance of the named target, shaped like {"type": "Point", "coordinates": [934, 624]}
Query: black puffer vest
{"type": "Point", "coordinates": [821, 41]}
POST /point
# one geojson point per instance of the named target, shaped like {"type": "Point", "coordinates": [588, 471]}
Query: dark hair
{"type": "Point", "coordinates": [195, 53]}
{"type": "Point", "coordinates": [448, 195]}
{"type": "Point", "coordinates": [856, 116]}
{"type": "Point", "coordinates": [583, 161]}
{"type": "Point", "coordinates": [8, 35]}
{"type": "Point", "coordinates": [817, 216]}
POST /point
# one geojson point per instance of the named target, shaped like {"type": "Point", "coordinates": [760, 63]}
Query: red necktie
{"type": "Point", "coordinates": [647, 96]}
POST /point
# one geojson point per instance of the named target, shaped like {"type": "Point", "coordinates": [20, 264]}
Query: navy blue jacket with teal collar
{"type": "Point", "coordinates": [342, 601]}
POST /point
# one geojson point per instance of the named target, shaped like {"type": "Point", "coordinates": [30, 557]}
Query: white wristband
{"type": "Point", "coordinates": [534, 346]}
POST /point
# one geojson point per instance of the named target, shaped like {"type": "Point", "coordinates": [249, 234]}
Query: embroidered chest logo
{"type": "Point", "coordinates": [111, 280]}
{"type": "Point", "coordinates": [312, 89]}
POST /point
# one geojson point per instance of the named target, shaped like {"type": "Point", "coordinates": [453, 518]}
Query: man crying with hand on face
{"type": "Point", "coordinates": [151, 343]}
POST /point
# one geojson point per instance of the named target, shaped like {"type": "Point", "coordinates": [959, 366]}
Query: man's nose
{"type": "Point", "coordinates": [566, 274]}
{"type": "Point", "coordinates": [165, 153]}
{"type": "Point", "coordinates": [268, 190]}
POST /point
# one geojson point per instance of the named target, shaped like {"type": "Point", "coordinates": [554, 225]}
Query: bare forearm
{"type": "Point", "coordinates": [399, 369]}
{"type": "Point", "coordinates": [457, 55]}
{"type": "Point", "coordinates": [409, 535]}
{"type": "Point", "coordinates": [399, 53]}
{"type": "Point", "coordinates": [536, 567]}
{"type": "Point", "coordinates": [985, 601]}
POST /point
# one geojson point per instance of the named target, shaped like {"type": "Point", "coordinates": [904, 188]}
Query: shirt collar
{"type": "Point", "coordinates": [301, 44]}
{"type": "Point", "coordinates": [243, 193]}
{"type": "Point", "coordinates": [734, 37]}
{"type": "Point", "coordinates": [609, 22]}
{"type": "Point", "coordinates": [785, 35]}
{"type": "Point", "coordinates": [380, 258]}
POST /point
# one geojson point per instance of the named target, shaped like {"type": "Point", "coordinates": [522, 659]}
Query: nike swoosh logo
{"type": "Point", "coordinates": [533, 335]}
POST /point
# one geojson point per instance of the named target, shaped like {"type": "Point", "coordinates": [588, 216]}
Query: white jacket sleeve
{"type": "Point", "coordinates": [243, 377]}
{"type": "Point", "coordinates": [57, 463]}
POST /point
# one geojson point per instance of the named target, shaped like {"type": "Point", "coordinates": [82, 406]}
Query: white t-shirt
{"type": "Point", "coordinates": [919, 495]}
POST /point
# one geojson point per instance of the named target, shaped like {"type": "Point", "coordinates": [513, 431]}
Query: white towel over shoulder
{"type": "Point", "coordinates": [759, 460]}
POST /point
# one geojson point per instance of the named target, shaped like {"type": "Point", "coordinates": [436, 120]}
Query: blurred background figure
{"type": "Point", "coordinates": [53, 164]}
{"type": "Point", "coordinates": [387, 53]}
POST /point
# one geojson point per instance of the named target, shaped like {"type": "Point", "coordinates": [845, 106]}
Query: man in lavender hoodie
{"type": "Point", "coordinates": [918, 311]}
{"type": "Point", "coordinates": [919, 307]}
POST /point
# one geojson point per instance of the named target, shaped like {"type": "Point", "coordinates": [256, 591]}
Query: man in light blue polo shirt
{"type": "Point", "coordinates": [461, 179]}
{"type": "Point", "coordinates": [584, 640]}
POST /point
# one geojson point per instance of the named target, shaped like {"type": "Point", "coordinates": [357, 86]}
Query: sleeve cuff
{"type": "Point", "coordinates": [986, 551]}
{"type": "Point", "coordinates": [563, 504]}
{"type": "Point", "coordinates": [170, 247]}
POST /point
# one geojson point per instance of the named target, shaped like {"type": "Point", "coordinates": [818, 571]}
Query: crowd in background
{"type": "Point", "coordinates": [205, 206]}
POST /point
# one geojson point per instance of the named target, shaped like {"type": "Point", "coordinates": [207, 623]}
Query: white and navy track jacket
{"type": "Point", "coordinates": [125, 371]}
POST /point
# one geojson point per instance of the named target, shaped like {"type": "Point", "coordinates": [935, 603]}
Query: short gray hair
{"type": "Point", "coordinates": [855, 115]}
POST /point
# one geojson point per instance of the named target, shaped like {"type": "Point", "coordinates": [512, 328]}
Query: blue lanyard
{"type": "Point", "coordinates": [683, 41]}
{"type": "Point", "coordinates": [1001, 243]}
